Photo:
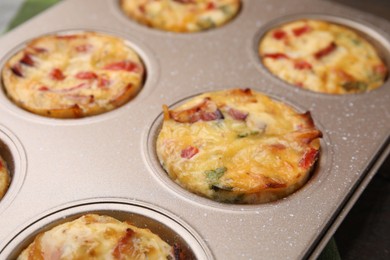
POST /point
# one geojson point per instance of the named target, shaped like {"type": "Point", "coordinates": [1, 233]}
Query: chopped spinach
{"type": "Point", "coordinates": [354, 85]}
{"type": "Point", "coordinates": [245, 134]}
{"type": "Point", "coordinates": [214, 175]}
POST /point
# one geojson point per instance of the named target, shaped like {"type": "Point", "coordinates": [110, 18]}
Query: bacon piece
{"type": "Point", "coordinates": [276, 56]}
{"type": "Point", "coordinates": [57, 74]}
{"type": "Point", "coordinates": [142, 9]}
{"type": "Point", "coordinates": [302, 65]}
{"type": "Point", "coordinates": [86, 75]}
{"type": "Point", "coordinates": [325, 51]}
{"type": "Point", "coordinates": [206, 111]}
{"type": "Point", "coordinates": [189, 152]}
{"type": "Point", "coordinates": [122, 65]}
{"type": "Point", "coordinates": [125, 245]}
{"type": "Point", "coordinates": [1, 165]}
{"type": "Point", "coordinates": [279, 34]}
{"type": "Point", "coordinates": [308, 159]}
{"type": "Point", "coordinates": [236, 114]}
{"type": "Point", "coordinates": [301, 30]}
{"type": "Point", "coordinates": [17, 70]}
{"type": "Point", "coordinates": [27, 60]}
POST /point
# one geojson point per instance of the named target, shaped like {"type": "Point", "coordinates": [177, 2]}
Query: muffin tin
{"type": "Point", "coordinates": [107, 163]}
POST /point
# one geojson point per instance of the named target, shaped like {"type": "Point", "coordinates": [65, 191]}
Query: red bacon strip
{"type": "Point", "coordinates": [301, 65]}
{"type": "Point", "coordinates": [236, 114]}
{"type": "Point", "coordinates": [189, 152]}
{"type": "Point", "coordinates": [276, 56]}
{"type": "Point", "coordinates": [301, 30]}
{"type": "Point", "coordinates": [206, 111]}
{"type": "Point", "coordinates": [321, 53]}
{"type": "Point", "coordinates": [17, 70]}
{"type": "Point", "coordinates": [308, 158]}
{"type": "Point", "coordinates": [86, 75]}
{"type": "Point", "coordinates": [27, 60]}
{"type": "Point", "coordinates": [122, 65]}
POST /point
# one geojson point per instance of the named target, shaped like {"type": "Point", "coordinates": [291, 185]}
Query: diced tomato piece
{"type": "Point", "coordinates": [301, 30]}
{"type": "Point", "coordinates": [86, 75]}
{"type": "Point", "coordinates": [308, 158]}
{"type": "Point", "coordinates": [189, 152]}
{"type": "Point", "coordinates": [142, 9]}
{"type": "Point", "coordinates": [276, 56]}
{"type": "Point", "coordinates": [380, 69]}
{"type": "Point", "coordinates": [236, 114]}
{"type": "Point", "coordinates": [17, 70]}
{"type": "Point", "coordinates": [122, 65]}
{"type": "Point", "coordinates": [57, 74]}
{"type": "Point", "coordinates": [301, 65]}
{"type": "Point", "coordinates": [321, 53]}
{"type": "Point", "coordinates": [279, 34]}
{"type": "Point", "coordinates": [210, 6]}
{"type": "Point", "coordinates": [27, 60]}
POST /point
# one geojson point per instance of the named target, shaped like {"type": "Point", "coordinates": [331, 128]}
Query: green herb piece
{"type": "Point", "coordinates": [214, 175]}
{"type": "Point", "coordinates": [226, 9]}
{"type": "Point", "coordinates": [206, 23]}
{"type": "Point", "coordinates": [355, 85]}
{"type": "Point", "coordinates": [242, 135]}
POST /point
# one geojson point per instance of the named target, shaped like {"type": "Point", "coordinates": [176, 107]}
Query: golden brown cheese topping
{"type": "Point", "coordinates": [238, 146]}
{"type": "Point", "coordinates": [4, 178]}
{"type": "Point", "coordinates": [97, 237]}
{"type": "Point", "coordinates": [322, 57]}
{"type": "Point", "coordinates": [181, 15]}
{"type": "Point", "coordinates": [73, 75]}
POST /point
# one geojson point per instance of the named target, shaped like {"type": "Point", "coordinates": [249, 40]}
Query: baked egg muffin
{"type": "Point", "coordinates": [95, 236]}
{"type": "Point", "coordinates": [73, 75]}
{"type": "Point", "coordinates": [238, 146]}
{"type": "Point", "coordinates": [181, 15]}
{"type": "Point", "coordinates": [4, 177]}
{"type": "Point", "coordinates": [322, 56]}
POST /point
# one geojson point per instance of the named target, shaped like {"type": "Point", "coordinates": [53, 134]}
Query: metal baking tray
{"type": "Point", "coordinates": [107, 163]}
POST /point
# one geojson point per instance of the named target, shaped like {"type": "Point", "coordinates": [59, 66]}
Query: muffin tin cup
{"type": "Point", "coordinates": [168, 227]}
{"type": "Point", "coordinates": [111, 157]}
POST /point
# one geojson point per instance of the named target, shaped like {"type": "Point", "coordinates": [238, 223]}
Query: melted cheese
{"type": "Point", "coordinates": [322, 57]}
{"type": "Point", "coordinates": [256, 149]}
{"type": "Point", "coordinates": [97, 237]}
{"type": "Point", "coordinates": [73, 75]}
{"type": "Point", "coordinates": [4, 178]}
{"type": "Point", "coordinates": [181, 15]}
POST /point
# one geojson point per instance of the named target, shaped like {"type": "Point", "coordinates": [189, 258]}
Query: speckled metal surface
{"type": "Point", "coordinates": [59, 165]}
